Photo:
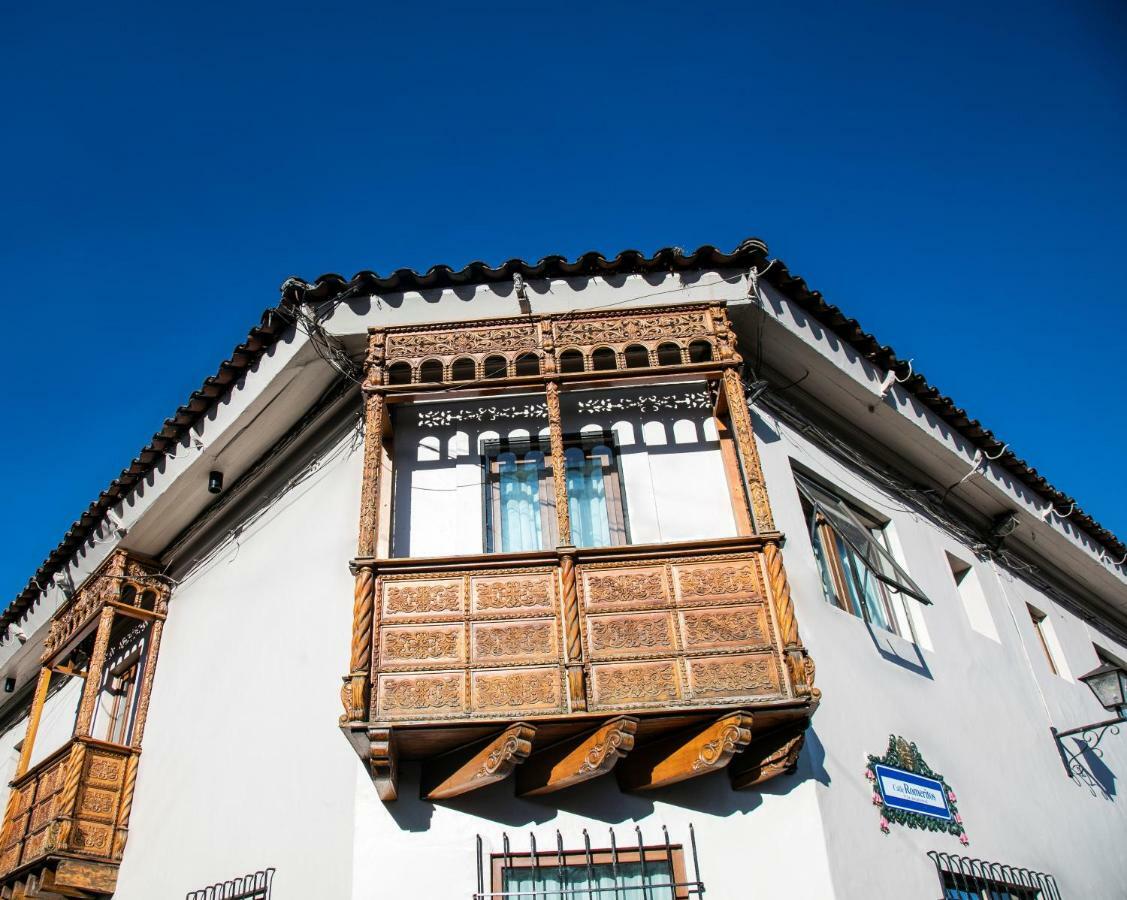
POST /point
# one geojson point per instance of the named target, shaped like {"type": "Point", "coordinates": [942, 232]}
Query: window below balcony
{"type": "Point", "coordinates": [643, 465]}
{"type": "Point", "coordinates": [625, 869]}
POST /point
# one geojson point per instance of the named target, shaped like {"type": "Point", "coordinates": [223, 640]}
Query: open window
{"type": "Point", "coordinates": [520, 504]}
{"type": "Point", "coordinates": [859, 572]}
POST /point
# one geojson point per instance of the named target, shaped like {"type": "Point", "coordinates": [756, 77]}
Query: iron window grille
{"type": "Point", "coordinates": [244, 887]}
{"type": "Point", "coordinates": [633, 871]}
{"type": "Point", "coordinates": [964, 878]}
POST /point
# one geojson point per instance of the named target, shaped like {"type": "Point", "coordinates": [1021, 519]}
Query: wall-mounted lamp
{"type": "Point", "coordinates": [214, 482]}
{"type": "Point", "coordinates": [1109, 683]}
{"type": "Point", "coordinates": [9, 684]}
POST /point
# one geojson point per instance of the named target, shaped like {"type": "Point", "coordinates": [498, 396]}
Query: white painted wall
{"type": "Point", "coordinates": [979, 709]}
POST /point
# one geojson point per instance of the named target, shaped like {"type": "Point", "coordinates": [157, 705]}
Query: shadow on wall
{"type": "Point", "coordinates": [1088, 769]}
{"type": "Point", "coordinates": [601, 800]}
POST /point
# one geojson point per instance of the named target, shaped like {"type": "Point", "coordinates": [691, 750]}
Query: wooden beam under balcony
{"type": "Point", "coordinates": [460, 772]}
{"type": "Point", "coordinates": [577, 759]}
{"type": "Point", "coordinates": [775, 753]}
{"type": "Point", "coordinates": [383, 762]}
{"type": "Point", "coordinates": [687, 754]}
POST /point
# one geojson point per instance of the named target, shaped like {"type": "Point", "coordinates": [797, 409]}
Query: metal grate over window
{"type": "Point", "coordinates": [634, 870]}
{"type": "Point", "coordinates": [963, 878]}
{"type": "Point", "coordinates": [244, 887]}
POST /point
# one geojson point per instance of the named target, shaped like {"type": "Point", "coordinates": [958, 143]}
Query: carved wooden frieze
{"type": "Point", "coordinates": [634, 684]}
{"type": "Point", "coordinates": [521, 690]}
{"type": "Point", "coordinates": [119, 579]}
{"type": "Point", "coordinates": [626, 635]}
{"type": "Point", "coordinates": [630, 328]}
{"type": "Point", "coordinates": [451, 342]}
{"type": "Point", "coordinates": [750, 675]}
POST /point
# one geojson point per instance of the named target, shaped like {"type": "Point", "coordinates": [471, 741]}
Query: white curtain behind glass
{"type": "Point", "coordinates": [586, 497]}
{"type": "Point", "coordinates": [520, 501]}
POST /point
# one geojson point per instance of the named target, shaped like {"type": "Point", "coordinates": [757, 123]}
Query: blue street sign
{"type": "Point", "coordinates": [913, 793]}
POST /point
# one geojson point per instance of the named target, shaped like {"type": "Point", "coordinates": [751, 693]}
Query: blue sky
{"type": "Point", "coordinates": [952, 175]}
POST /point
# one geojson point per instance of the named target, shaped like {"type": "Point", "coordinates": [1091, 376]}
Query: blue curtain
{"type": "Point", "coordinates": [520, 501]}
{"type": "Point", "coordinates": [586, 498]}
{"type": "Point", "coordinates": [594, 882]}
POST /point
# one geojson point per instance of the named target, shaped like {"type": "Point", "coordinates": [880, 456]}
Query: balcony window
{"type": "Point", "coordinates": [859, 573]}
{"type": "Point", "coordinates": [963, 878]}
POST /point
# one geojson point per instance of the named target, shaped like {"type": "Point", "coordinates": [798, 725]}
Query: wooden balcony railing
{"type": "Point", "coordinates": [73, 804]}
{"type": "Point", "coordinates": [661, 637]}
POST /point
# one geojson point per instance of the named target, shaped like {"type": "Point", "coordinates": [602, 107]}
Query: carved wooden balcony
{"type": "Point", "coordinates": [70, 811]}
{"type": "Point", "coordinates": [660, 661]}
{"type": "Point", "coordinates": [67, 816]}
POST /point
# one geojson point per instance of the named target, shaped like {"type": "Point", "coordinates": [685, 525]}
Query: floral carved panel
{"type": "Point", "coordinates": [640, 634]}
{"type": "Point", "coordinates": [421, 695]}
{"type": "Point", "coordinates": [538, 690]}
{"type": "Point", "coordinates": [629, 685]}
{"type": "Point", "coordinates": [433, 646]}
{"type": "Point", "coordinates": [509, 641]}
{"type": "Point", "coordinates": [423, 599]}
{"type": "Point", "coordinates": [734, 677]}
{"type": "Point", "coordinates": [727, 627]}
{"type": "Point", "coordinates": [711, 582]}
{"type": "Point", "coordinates": [501, 595]}
{"type": "Point", "coordinates": [625, 588]}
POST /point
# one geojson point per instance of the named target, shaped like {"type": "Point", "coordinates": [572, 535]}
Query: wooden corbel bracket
{"type": "Point", "coordinates": [775, 753]}
{"type": "Point", "coordinates": [463, 771]}
{"type": "Point", "coordinates": [687, 754]}
{"type": "Point", "coordinates": [577, 759]}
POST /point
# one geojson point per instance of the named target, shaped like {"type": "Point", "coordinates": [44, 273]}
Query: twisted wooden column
{"type": "Point", "coordinates": [576, 677]}
{"type": "Point", "coordinates": [355, 695]}
{"type": "Point", "coordinates": [59, 834]}
{"type": "Point", "coordinates": [121, 833]}
{"type": "Point", "coordinates": [94, 674]}
{"type": "Point", "coordinates": [800, 666]}
{"type": "Point", "coordinates": [749, 455]}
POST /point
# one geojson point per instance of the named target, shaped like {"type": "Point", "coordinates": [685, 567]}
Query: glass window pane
{"type": "Point", "coordinates": [626, 881]}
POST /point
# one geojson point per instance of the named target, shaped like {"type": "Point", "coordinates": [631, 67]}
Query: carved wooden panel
{"type": "Point", "coordinates": [627, 685]}
{"type": "Point", "coordinates": [626, 587]}
{"type": "Point", "coordinates": [424, 646]}
{"type": "Point", "coordinates": [469, 644]}
{"type": "Point", "coordinates": [506, 690]}
{"type": "Point", "coordinates": [735, 627]}
{"type": "Point", "coordinates": [735, 677]}
{"type": "Point", "coordinates": [628, 635]}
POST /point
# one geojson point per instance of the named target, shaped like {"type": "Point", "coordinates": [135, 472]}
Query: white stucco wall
{"type": "Point", "coordinates": [979, 709]}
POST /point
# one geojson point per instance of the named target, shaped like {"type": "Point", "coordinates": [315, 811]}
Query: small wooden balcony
{"type": "Point", "coordinates": [67, 818]}
{"type": "Point", "coordinates": [69, 810]}
{"type": "Point", "coordinates": [664, 662]}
